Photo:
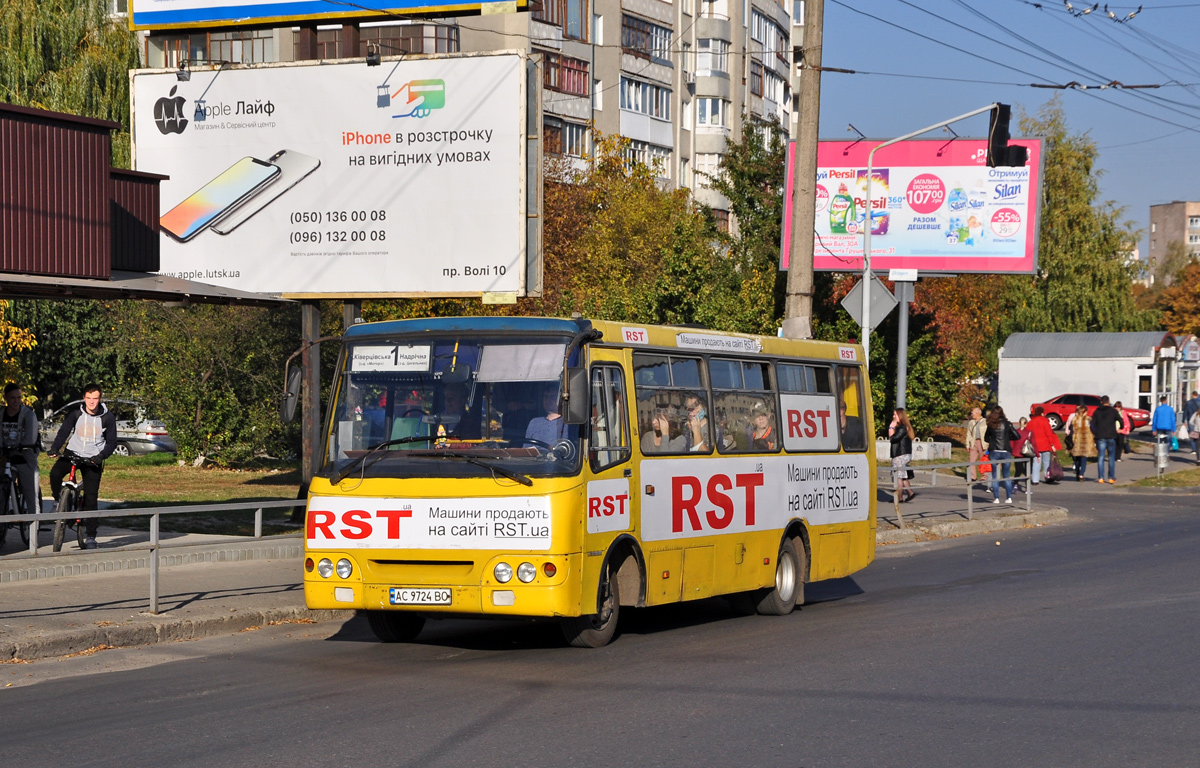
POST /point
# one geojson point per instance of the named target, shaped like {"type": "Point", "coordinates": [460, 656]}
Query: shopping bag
{"type": "Point", "coordinates": [985, 467]}
{"type": "Point", "coordinates": [1174, 443]}
{"type": "Point", "coordinates": [1054, 472]}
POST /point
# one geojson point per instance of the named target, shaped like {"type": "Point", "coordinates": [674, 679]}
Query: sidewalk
{"type": "Point", "coordinates": [58, 604]}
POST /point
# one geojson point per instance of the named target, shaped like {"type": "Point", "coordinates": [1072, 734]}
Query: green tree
{"type": "Point", "coordinates": [214, 376]}
{"type": "Point", "coordinates": [74, 349]}
{"type": "Point", "coordinates": [1084, 280]}
{"type": "Point", "coordinates": [68, 56]}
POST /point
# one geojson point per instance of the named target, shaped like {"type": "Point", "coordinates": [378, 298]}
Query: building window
{"type": "Point", "coordinates": [565, 75]}
{"type": "Point", "coordinates": [568, 15]}
{"type": "Point", "coordinates": [646, 98]}
{"type": "Point", "coordinates": [712, 55]}
{"type": "Point", "coordinates": [650, 155]}
{"type": "Point", "coordinates": [1193, 222]}
{"type": "Point", "coordinates": [396, 39]}
{"type": "Point", "coordinates": [798, 12]}
{"type": "Point", "coordinates": [722, 218]}
{"type": "Point", "coordinates": [645, 39]}
{"type": "Point", "coordinates": [756, 78]}
{"type": "Point", "coordinates": [180, 48]}
{"type": "Point", "coordinates": [1193, 239]}
{"type": "Point", "coordinates": [707, 167]}
{"type": "Point", "coordinates": [712, 112]}
{"type": "Point", "coordinates": [597, 29]}
{"type": "Point", "coordinates": [714, 9]}
{"type": "Point", "coordinates": [770, 35]}
{"type": "Point", "coordinates": [242, 47]}
{"type": "Point", "coordinates": [597, 94]}
{"type": "Point", "coordinates": [560, 137]}
{"type": "Point", "coordinates": [685, 179]}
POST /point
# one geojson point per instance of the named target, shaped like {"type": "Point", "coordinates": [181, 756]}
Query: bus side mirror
{"type": "Point", "coordinates": [291, 395]}
{"type": "Point", "coordinates": [577, 396]}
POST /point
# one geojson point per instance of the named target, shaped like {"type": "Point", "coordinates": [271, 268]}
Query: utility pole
{"type": "Point", "coordinates": [797, 322]}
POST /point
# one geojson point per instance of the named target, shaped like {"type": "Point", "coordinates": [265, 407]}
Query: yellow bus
{"type": "Point", "coordinates": [550, 468]}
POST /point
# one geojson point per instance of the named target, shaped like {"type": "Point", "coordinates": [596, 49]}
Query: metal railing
{"type": "Point", "coordinates": [984, 478]}
{"type": "Point", "coordinates": [154, 546]}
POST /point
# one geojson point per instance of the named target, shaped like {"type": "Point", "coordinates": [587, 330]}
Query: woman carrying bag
{"type": "Point", "coordinates": [900, 433]}
{"type": "Point", "coordinates": [1000, 436]}
{"type": "Point", "coordinates": [1083, 443]}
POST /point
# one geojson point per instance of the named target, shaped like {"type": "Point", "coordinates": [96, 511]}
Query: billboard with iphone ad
{"type": "Point", "coordinates": [339, 179]}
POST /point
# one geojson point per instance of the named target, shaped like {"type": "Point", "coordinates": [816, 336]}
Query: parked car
{"type": "Point", "coordinates": [1059, 409]}
{"type": "Point", "coordinates": [137, 434]}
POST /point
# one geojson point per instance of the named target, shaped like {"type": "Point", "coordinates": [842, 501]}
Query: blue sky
{"type": "Point", "coordinates": [1149, 139]}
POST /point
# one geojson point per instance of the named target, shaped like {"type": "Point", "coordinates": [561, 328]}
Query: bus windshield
{"type": "Point", "coordinates": [463, 406]}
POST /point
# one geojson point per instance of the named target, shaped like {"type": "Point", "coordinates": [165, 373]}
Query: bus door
{"type": "Point", "coordinates": [612, 475]}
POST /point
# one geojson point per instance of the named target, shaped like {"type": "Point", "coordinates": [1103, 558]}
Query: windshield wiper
{"type": "Point", "coordinates": [373, 450]}
{"type": "Point", "coordinates": [477, 461]}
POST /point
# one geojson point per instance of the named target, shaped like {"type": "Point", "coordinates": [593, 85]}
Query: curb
{"type": "Point", "coordinates": [53, 566]}
{"type": "Point", "coordinates": [968, 527]}
{"type": "Point", "coordinates": [156, 630]}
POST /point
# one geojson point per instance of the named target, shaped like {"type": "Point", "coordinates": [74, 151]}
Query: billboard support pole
{"type": "Point", "coordinates": [310, 330]}
{"type": "Point", "coordinates": [868, 224]}
{"type": "Point", "coordinates": [904, 292]}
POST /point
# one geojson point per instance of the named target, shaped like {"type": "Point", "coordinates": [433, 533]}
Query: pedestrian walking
{"type": "Point", "coordinates": [1106, 425]}
{"type": "Point", "coordinates": [1000, 434]}
{"type": "Point", "coordinates": [1123, 432]}
{"type": "Point", "coordinates": [1045, 444]}
{"type": "Point", "coordinates": [900, 433]}
{"type": "Point", "coordinates": [976, 427]}
{"type": "Point", "coordinates": [1082, 444]}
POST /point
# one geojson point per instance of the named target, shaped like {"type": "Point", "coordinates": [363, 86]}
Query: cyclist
{"type": "Point", "coordinates": [90, 433]}
{"type": "Point", "coordinates": [19, 432]}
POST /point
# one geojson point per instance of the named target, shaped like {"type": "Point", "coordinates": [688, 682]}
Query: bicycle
{"type": "Point", "coordinates": [13, 496]}
{"type": "Point", "coordinates": [70, 499]}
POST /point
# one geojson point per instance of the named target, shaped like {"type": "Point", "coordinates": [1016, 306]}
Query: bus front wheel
{"type": "Point", "coordinates": [596, 630]}
{"type": "Point", "coordinates": [781, 599]}
{"type": "Point", "coordinates": [395, 627]}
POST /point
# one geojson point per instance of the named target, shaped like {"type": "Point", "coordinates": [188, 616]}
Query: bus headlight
{"type": "Point", "coordinates": [526, 572]}
{"type": "Point", "coordinates": [503, 573]}
{"type": "Point", "coordinates": [344, 568]}
{"type": "Point", "coordinates": [325, 568]}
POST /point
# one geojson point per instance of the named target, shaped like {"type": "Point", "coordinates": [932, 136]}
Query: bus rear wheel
{"type": "Point", "coordinates": [596, 630]}
{"type": "Point", "coordinates": [781, 599]}
{"type": "Point", "coordinates": [394, 626]}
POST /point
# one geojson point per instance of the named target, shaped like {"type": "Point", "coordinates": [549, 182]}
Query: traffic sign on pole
{"type": "Point", "coordinates": [882, 302]}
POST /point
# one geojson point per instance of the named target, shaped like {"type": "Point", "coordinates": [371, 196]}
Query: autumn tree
{"type": "Point", "coordinates": [1181, 302]}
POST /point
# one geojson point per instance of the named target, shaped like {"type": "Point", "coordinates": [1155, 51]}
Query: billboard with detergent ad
{"type": "Point", "coordinates": [935, 207]}
{"type": "Point", "coordinates": [339, 179]}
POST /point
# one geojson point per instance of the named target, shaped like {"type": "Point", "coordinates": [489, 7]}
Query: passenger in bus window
{"type": "Point", "coordinates": [852, 430]}
{"type": "Point", "coordinates": [762, 434]}
{"type": "Point", "coordinates": [696, 420]}
{"type": "Point", "coordinates": [547, 429]}
{"type": "Point", "coordinates": [662, 435]}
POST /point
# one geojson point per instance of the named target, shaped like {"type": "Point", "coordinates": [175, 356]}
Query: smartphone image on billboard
{"type": "Point", "coordinates": [218, 198]}
{"type": "Point", "coordinates": [293, 167]}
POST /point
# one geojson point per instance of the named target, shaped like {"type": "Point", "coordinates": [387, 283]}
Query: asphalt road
{"type": "Point", "coordinates": [1073, 645]}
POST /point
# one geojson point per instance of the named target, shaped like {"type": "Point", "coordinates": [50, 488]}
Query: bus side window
{"type": "Point", "coordinates": [851, 418]}
{"type": "Point", "coordinates": [609, 443]}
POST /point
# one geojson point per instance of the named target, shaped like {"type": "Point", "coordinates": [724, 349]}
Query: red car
{"type": "Point", "coordinates": [1059, 409]}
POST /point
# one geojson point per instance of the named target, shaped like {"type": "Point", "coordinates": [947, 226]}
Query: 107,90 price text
{"type": "Point", "coordinates": [339, 236]}
{"type": "Point", "coordinates": [336, 217]}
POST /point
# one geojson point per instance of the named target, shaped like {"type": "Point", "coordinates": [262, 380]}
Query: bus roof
{"type": "Point", "coordinates": [632, 335]}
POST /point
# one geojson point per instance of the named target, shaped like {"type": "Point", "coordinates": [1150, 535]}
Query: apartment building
{"type": "Point", "coordinates": [675, 78]}
{"type": "Point", "coordinates": [1177, 221]}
